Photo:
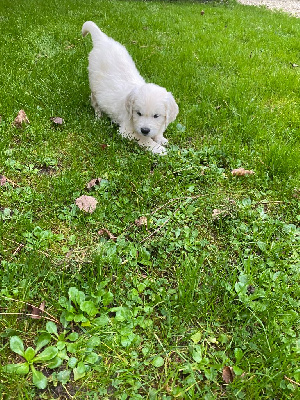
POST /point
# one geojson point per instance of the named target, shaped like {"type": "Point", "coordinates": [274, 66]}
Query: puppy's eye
{"type": "Point", "coordinates": [139, 114]}
{"type": "Point", "coordinates": [155, 116]}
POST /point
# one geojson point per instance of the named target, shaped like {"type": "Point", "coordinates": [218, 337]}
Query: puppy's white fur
{"type": "Point", "coordinates": [142, 110]}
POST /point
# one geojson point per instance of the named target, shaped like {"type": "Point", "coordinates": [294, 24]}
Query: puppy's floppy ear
{"type": "Point", "coordinates": [171, 109]}
{"type": "Point", "coordinates": [129, 102]}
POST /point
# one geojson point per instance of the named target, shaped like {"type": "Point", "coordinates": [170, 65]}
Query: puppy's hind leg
{"type": "Point", "coordinates": [95, 106]}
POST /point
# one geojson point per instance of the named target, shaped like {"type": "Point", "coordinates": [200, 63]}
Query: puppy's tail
{"type": "Point", "coordinates": [92, 28]}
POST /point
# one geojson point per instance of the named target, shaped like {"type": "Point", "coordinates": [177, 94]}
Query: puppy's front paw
{"type": "Point", "coordinates": [163, 141]}
{"type": "Point", "coordinates": [161, 150]}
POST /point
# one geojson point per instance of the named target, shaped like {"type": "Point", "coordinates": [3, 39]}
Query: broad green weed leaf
{"type": "Point", "coordinates": [93, 341]}
{"type": "Point", "coordinates": [60, 344]}
{"type": "Point", "coordinates": [80, 318]}
{"type": "Point", "coordinates": [69, 316]}
{"type": "Point", "coordinates": [127, 338]}
{"type": "Point", "coordinates": [89, 307]}
{"type": "Point", "coordinates": [16, 345]}
{"type": "Point", "coordinates": [238, 353]}
{"type": "Point", "coordinates": [73, 336]}
{"type": "Point", "coordinates": [72, 362]}
{"type": "Point", "coordinates": [47, 354]}
{"type": "Point", "coordinates": [20, 369]}
{"type": "Point", "coordinates": [91, 358]}
{"type": "Point", "coordinates": [196, 337]}
{"type": "Point", "coordinates": [107, 298]}
{"type": "Point", "coordinates": [210, 374]}
{"type": "Point", "coordinates": [237, 370]}
{"type": "Point", "coordinates": [64, 302]}
{"type": "Point", "coordinates": [197, 354]}
{"type": "Point", "coordinates": [72, 347]}
{"type": "Point", "coordinates": [122, 313]}
{"type": "Point", "coordinates": [262, 246]}
{"type": "Point", "coordinates": [42, 341]}
{"type": "Point", "coordinates": [64, 376]}
{"type": "Point", "coordinates": [39, 380]}
{"type": "Point", "coordinates": [86, 322]}
{"type": "Point", "coordinates": [79, 371]}
{"type": "Point", "coordinates": [102, 320]}
{"type": "Point", "coordinates": [29, 354]}
{"type": "Point", "coordinates": [76, 295]}
{"type": "Point", "coordinates": [158, 362]}
{"type": "Point", "coordinates": [55, 362]}
{"type": "Point", "coordinates": [103, 284]}
{"type": "Point", "coordinates": [51, 327]}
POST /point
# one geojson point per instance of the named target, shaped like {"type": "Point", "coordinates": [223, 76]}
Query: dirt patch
{"type": "Point", "coordinates": [290, 6]}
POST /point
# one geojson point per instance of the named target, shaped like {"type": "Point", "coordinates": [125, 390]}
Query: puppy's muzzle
{"type": "Point", "coordinates": [145, 131]}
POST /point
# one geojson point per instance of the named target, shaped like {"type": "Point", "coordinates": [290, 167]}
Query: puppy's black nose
{"type": "Point", "coordinates": [145, 131]}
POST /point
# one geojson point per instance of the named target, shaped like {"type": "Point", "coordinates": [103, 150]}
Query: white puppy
{"type": "Point", "coordinates": [142, 110]}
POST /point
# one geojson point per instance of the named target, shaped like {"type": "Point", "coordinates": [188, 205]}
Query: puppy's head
{"type": "Point", "coordinates": [151, 109]}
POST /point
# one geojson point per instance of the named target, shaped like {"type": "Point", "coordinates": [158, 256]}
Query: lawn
{"type": "Point", "coordinates": [184, 281]}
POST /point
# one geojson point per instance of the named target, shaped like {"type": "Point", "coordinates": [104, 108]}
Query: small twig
{"type": "Point", "coordinates": [30, 315]}
{"type": "Point", "coordinates": [11, 182]}
{"type": "Point", "coordinates": [32, 306]}
{"type": "Point", "coordinates": [291, 380]}
{"type": "Point", "coordinates": [69, 394]}
{"type": "Point", "coordinates": [159, 341]}
{"type": "Point", "coordinates": [270, 201]}
{"type": "Point", "coordinates": [18, 249]}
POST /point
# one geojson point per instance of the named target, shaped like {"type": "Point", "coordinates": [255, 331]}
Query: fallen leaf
{"type": "Point", "coordinates": [21, 119]}
{"type": "Point", "coordinates": [227, 374]}
{"type": "Point", "coordinates": [105, 232]}
{"type": "Point", "coordinates": [93, 183]}
{"type": "Point", "coordinates": [37, 311]}
{"type": "Point", "coordinates": [242, 172]}
{"type": "Point", "coordinates": [295, 65]}
{"type": "Point", "coordinates": [86, 203]}
{"type": "Point", "coordinates": [250, 289]}
{"type": "Point", "coordinates": [141, 221]}
{"type": "Point", "coordinates": [296, 193]}
{"type": "Point", "coordinates": [3, 180]}
{"type": "Point", "coordinates": [57, 120]}
{"type": "Point", "coordinates": [103, 146]}
{"type": "Point", "coordinates": [217, 213]}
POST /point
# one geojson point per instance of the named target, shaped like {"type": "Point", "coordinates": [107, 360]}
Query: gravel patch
{"type": "Point", "coordinates": [290, 6]}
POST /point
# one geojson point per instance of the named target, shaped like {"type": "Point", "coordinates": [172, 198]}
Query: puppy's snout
{"type": "Point", "coordinates": [145, 131]}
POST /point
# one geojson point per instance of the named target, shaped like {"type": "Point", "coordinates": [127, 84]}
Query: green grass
{"type": "Point", "coordinates": [181, 298]}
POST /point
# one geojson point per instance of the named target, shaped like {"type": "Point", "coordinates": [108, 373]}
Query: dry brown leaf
{"type": "Point", "coordinates": [227, 374]}
{"type": "Point", "coordinates": [3, 180]}
{"type": "Point", "coordinates": [86, 203]}
{"type": "Point", "coordinates": [21, 119]}
{"type": "Point", "coordinates": [93, 183]}
{"type": "Point", "coordinates": [242, 172]}
{"type": "Point", "coordinates": [141, 221]}
{"type": "Point", "coordinates": [105, 232]}
{"type": "Point", "coordinates": [37, 311]}
{"type": "Point", "coordinates": [57, 120]}
{"type": "Point", "coordinates": [217, 213]}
